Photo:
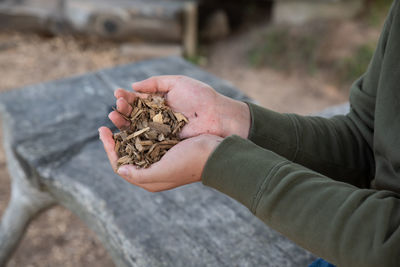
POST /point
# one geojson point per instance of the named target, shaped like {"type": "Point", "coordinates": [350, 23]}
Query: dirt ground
{"type": "Point", "coordinates": [59, 238]}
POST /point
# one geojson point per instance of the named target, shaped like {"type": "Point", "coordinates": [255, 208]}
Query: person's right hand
{"type": "Point", "coordinates": [208, 112]}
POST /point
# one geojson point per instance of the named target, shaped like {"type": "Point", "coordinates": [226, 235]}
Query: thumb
{"type": "Point", "coordinates": [156, 84]}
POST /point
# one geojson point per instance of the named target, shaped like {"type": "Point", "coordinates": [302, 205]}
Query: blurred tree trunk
{"type": "Point", "coordinates": [366, 8]}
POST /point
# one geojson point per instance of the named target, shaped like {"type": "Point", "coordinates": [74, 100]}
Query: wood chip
{"type": "Point", "coordinates": [153, 131]}
{"type": "Point", "coordinates": [159, 127]}
{"type": "Point", "coordinates": [117, 146]}
{"type": "Point", "coordinates": [136, 115]}
{"type": "Point", "coordinates": [123, 160]}
{"type": "Point", "coordinates": [180, 117]}
{"type": "Point", "coordinates": [137, 133]}
{"type": "Point", "coordinates": [146, 142]}
{"type": "Point", "coordinates": [158, 118]}
{"type": "Point", "coordinates": [161, 137]}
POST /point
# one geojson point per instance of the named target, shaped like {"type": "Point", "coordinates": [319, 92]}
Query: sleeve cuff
{"type": "Point", "coordinates": [274, 131]}
{"type": "Point", "coordinates": [241, 169]}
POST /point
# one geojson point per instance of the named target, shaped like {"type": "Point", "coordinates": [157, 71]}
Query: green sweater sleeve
{"type": "Point", "coordinates": [338, 147]}
{"type": "Point", "coordinates": [334, 147]}
{"type": "Point", "coordinates": [281, 173]}
{"type": "Point", "coordinates": [353, 227]}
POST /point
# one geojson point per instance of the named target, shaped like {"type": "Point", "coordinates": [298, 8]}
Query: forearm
{"type": "Point", "coordinates": [334, 147]}
{"type": "Point", "coordinates": [340, 147]}
{"type": "Point", "coordinates": [346, 225]}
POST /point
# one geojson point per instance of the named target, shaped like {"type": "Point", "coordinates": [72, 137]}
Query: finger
{"type": "Point", "coordinates": [123, 106]}
{"type": "Point", "coordinates": [106, 137]}
{"type": "Point", "coordinates": [151, 187]}
{"type": "Point", "coordinates": [152, 175]}
{"type": "Point", "coordinates": [158, 172]}
{"type": "Point", "coordinates": [156, 84]}
{"type": "Point", "coordinates": [159, 187]}
{"type": "Point", "coordinates": [118, 120]}
{"type": "Point", "coordinates": [129, 96]}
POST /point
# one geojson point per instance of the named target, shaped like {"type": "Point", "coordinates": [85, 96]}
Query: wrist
{"type": "Point", "coordinates": [209, 144]}
{"type": "Point", "coordinates": [235, 118]}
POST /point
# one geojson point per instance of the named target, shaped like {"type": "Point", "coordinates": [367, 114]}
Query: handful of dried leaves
{"type": "Point", "coordinates": [153, 131]}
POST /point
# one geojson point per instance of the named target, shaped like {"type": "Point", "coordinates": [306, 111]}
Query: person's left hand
{"type": "Point", "coordinates": [182, 164]}
{"type": "Point", "coordinates": [208, 112]}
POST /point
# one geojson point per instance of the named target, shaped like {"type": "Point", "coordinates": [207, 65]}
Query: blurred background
{"type": "Point", "coordinates": [289, 55]}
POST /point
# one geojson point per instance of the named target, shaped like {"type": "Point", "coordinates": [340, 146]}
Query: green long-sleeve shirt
{"type": "Point", "coordinates": [330, 185]}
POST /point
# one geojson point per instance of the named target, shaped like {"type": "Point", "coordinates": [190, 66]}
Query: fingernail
{"type": "Point", "coordinates": [99, 133]}
{"type": "Point", "coordinates": [123, 171]}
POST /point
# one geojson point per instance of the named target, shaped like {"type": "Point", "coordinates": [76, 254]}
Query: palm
{"type": "Point", "coordinates": [208, 112]}
{"type": "Point", "coordinates": [198, 102]}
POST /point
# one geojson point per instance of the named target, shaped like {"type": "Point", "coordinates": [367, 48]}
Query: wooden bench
{"type": "Point", "coordinates": [55, 157]}
{"type": "Point", "coordinates": [169, 21]}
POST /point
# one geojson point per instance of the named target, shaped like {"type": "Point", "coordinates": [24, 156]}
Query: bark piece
{"type": "Point", "coordinates": [180, 117]}
{"type": "Point", "coordinates": [153, 131]}
{"type": "Point", "coordinates": [137, 133]}
{"type": "Point", "coordinates": [159, 127]}
{"type": "Point", "coordinates": [158, 118]}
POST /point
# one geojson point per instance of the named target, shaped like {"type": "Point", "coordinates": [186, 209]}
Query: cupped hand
{"type": "Point", "coordinates": [182, 164]}
{"type": "Point", "coordinates": [208, 111]}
